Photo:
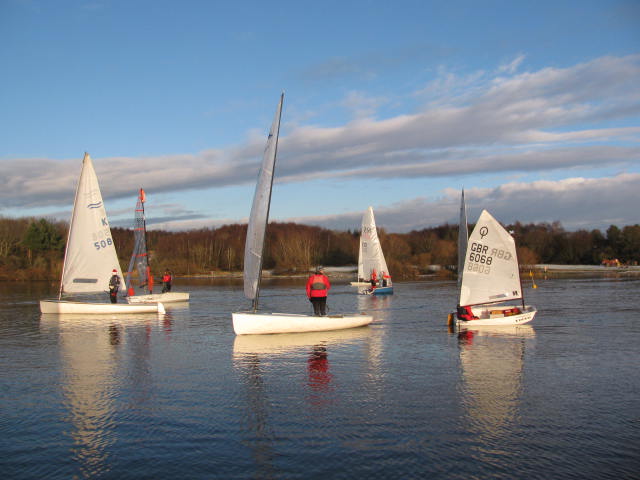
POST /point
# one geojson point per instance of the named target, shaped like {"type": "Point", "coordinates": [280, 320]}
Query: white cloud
{"type": "Point", "coordinates": [579, 203]}
{"type": "Point", "coordinates": [552, 119]}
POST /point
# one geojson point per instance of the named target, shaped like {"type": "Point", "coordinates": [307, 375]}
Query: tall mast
{"type": "Point", "coordinates": [143, 198]}
{"type": "Point", "coordinates": [266, 220]}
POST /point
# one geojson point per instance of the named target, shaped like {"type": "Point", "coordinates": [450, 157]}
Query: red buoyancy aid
{"type": "Point", "coordinates": [318, 285]}
{"type": "Point", "coordinates": [465, 313]}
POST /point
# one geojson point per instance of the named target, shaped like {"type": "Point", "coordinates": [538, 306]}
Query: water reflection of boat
{"type": "Point", "coordinates": [523, 331]}
{"type": "Point", "coordinates": [87, 357]}
{"type": "Point", "coordinates": [285, 342]}
{"type": "Point", "coordinates": [91, 354]}
{"type": "Point", "coordinates": [292, 362]}
{"type": "Point", "coordinates": [492, 360]}
{"type": "Point", "coordinates": [377, 306]}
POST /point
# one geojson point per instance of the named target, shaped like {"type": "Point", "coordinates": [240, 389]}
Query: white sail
{"type": "Point", "coordinates": [257, 323]}
{"type": "Point", "coordinates": [491, 265]}
{"type": "Point", "coordinates": [90, 254]}
{"type": "Point", "coordinates": [139, 257]}
{"type": "Point", "coordinates": [463, 238]}
{"type": "Point", "coordinates": [370, 256]}
{"type": "Point", "coordinates": [254, 245]}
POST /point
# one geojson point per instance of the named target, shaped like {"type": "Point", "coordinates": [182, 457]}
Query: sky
{"type": "Point", "coordinates": [532, 107]}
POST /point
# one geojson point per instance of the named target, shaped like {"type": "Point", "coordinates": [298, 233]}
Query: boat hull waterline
{"type": "Point", "coordinates": [379, 291]}
{"type": "Point", "coordinates": [251, 323]}
{"type": "Point", "coordinates": [167, 297]}
{"type": "Point", "coordinates": [62, 306]}
{"type": "Point", "coordinates": [485, 317]}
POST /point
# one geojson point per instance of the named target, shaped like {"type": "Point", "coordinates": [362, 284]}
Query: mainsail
{"type": "Point", "coordinates": [254, 245]}
{"type": "Point", "coordinates": [463, 238]}
{"type": "Point", "coordinates": [139, 257]}
{"type": "Point", "coordinates": [370, 256]}
{"type": "Point", "coordinates": [90, 255]}
{"type": "Point", "coordinates": [491, 272]}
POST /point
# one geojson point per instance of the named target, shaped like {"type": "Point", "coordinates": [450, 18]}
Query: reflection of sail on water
{"type": "Point", "coordinates": [492, 363]}
{"type": "Point", "coordinates": [379, 307]}
{"type": "Point", "coordinates": [89, 369]}
{"type": "Point", "coordinates": [260, 442]}
{"type": "Point", "coordinates": [92, 351]}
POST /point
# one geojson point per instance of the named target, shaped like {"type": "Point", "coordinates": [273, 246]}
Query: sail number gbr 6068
{"type": "Point", "coordinates": [481, 259]}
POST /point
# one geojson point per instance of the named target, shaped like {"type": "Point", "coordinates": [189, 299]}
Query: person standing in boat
{"type": "Point", "coordinates": [317, 289]}
{"type": "Point", "coordinates": [386, 279]}
{"type": "Point", "coordinates": [166, 281]}
{"type": "Point", "coordinates": [114, 286]}
{"type": "Point", "coordinates": [373, 279]}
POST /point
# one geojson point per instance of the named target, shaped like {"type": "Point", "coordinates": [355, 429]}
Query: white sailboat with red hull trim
{"type": "Point", "coordinates": [254, 322]}
{"type": "Point", "coordinates": [491, 279]}
{"type": "Point", "coordinates": [90, 255]}
{"type": "Point", "coordinates": [140, 262]}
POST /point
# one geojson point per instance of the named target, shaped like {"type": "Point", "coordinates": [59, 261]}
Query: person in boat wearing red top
{"type": "Point", "coordinates": [166, 281]}
{"type": "Point", "coordinates": [386, 279]}
{"type": "Point", "coordinates": [317, 289]}
{"type": "Point", "coordinates": [465, 313]}
{"type": "Point", "coordinates": [374, 279]}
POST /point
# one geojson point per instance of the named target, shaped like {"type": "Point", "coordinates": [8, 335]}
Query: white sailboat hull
{"type": "Point", "coordinates": [167, 297]}
{"type": "Point", "coordinates": [491, 315]}
{"type": "Point", "coordinates": [62, 306]}
{"type": "Point", "coordinates": [250, 323]}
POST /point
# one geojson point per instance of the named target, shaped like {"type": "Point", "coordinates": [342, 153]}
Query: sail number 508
{"type": "Point", "coordinates": [103, 244]}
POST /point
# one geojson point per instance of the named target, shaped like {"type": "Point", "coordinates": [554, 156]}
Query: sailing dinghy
{"type": "Point", "coordinates": [254, 322]}
{"type": "Point", "coordinates": [90, 255]}
{"type": "Point", "coordinates": [140, 260]}
{"type": "Point", "coordinates": [371, 262]}
{"type": "Point", "coordinates": [491, 277]}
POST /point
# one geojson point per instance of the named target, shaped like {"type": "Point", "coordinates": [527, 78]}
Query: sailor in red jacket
{"type": "Point", "coordinates": [317, 288]}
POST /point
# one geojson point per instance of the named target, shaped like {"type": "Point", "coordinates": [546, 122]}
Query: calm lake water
{"type": "Point", "coordinates": [181, 397]}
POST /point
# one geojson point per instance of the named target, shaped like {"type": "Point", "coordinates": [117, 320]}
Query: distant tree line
{"type": "Point", "coordinates": [34, 248]}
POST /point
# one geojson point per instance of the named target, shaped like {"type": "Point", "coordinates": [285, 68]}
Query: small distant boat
{"type": "Point", "coordinates": [140, 261]}
{"type": "Point", "coordinates": [491, 277]}
{"type": "Point", "coordinates": [90, 255]}
{"type": "Point", "coordinates": [254, 322]}
{"type": "Point", "coordinates": [371, 262]}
